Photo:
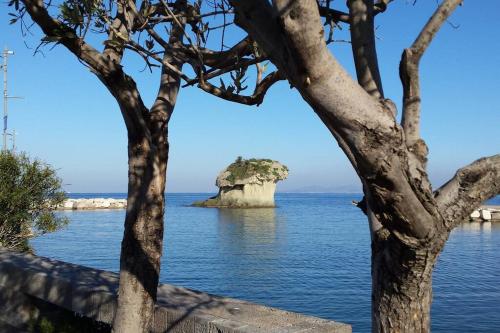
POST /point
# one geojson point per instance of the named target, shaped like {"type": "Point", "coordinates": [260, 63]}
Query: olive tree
{"type": "Point", "coordinates": [168, 35]}
{"type": "Point", "coordinates": [409, 221]}
{"type": "Point", "coordinates": [30, 191]}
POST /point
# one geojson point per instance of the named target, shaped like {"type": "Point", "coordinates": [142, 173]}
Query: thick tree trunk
{"type": "Point", "coordinates": [143, 236]}
{"type": "Point", "coordinates": [148, 156]}
{"type": "Point", "coordinates": [401, 286]}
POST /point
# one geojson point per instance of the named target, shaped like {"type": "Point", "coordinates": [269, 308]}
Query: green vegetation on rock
{"type": "Point", "coordinates": [242, 169]}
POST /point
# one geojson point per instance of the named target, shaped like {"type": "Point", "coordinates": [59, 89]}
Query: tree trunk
{"type": "Point", "coordinates": [401, 285]}
{"type": "Point", "coordinates": [143, 236]}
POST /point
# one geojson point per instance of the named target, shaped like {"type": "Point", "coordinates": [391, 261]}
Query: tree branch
{"type": "Point", "coordinates": [470, 186]}
{"type": "Point", "coordinates": [332, 14]}
{"type": "Point", "coordinates": [408, 71]}
{"type": "Point", "coordinates": [255, 99]}
{"type": "Point", "coordinates": [119, 31]}
{"type": "Point", "coordinates": [242, 64]}
{"type": "Point", "coordinates": [162, 61]}
{"type": "Point", "coordinates": [163, 106]}
{"type": "Point", "coordinates": [108, 71]}
{"type": "Point", "coordinates": [363, 46]}
{"type": "Point", "coordinates": [409, 74]}
{"type": "Point", "coordinates": [221, 59]}
{"type": "Point", "coordinates": [66, 36]}
{"type": "Point", "coordinates": [340, 16]}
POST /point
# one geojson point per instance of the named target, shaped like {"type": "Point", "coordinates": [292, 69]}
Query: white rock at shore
{"type": "Point", "coordinates": [486, 213]}
{"type": "Point", "coordinates": [95, 203]}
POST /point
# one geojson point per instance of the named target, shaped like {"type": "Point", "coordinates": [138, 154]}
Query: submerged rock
{"type": "Point", "coordinates": [247, 183]}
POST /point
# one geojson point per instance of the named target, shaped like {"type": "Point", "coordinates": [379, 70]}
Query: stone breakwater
{"type": "Point", "coordinates": [96, 203]}
{"type": "Point", "coordinates": [486, 214]}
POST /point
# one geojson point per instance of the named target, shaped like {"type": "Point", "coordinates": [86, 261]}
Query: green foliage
{"type": "Point", "coordinates": [242, 169]}
{"type": "Point", "coordinates": [46, 326]}
{"type": "Point", "coordinates": [74, 12]}
{"type": "Point", "coordinates": [29, 193]}
{"type": "Point", "coordinates": [211, 202]}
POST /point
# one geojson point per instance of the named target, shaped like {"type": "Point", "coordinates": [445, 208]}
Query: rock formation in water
{"type": "Point", "coordinates": [247, 183]}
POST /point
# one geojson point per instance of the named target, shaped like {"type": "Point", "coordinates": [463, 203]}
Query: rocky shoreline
{"type": "Point", "coordinates": [94, 203]}
{"type": "Point", "coordinates": [486, 214]}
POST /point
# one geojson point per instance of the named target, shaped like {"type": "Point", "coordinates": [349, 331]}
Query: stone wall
{"type": "Point", "coordinates": [26, 281]}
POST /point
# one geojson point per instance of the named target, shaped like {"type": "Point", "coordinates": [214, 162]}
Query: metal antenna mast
{"type": "Point", "coordinates": [5, 54]}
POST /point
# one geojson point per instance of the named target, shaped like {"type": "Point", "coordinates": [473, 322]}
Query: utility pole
{"type": "Point", "coordinates": [14, 140]}
{"type": "Point", "coordinates": [5, 54]}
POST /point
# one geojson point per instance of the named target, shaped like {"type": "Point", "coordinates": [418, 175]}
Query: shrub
{"type": "Point", "coordinates": [29, 193]}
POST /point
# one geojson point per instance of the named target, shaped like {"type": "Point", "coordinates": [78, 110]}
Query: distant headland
{"type": "Point", "coordinates": [247, 183]}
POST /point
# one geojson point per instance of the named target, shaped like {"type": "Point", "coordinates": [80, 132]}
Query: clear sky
{"type": "Point", "coordinates": [68, 119]}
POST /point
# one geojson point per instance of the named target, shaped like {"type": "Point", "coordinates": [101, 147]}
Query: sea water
{"type": "Point", "coordinates": [311, 254]}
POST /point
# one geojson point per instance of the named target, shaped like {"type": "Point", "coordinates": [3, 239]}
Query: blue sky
{"type": "Point", "coordinates": [68, 119]}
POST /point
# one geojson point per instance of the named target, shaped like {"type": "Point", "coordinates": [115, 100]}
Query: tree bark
{"type": "Point", "coordinates": [143, 237]}
{"type": "Point", "coordinates": [401, 285]}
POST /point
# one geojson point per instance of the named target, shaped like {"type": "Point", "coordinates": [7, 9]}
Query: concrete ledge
{"type": "Point", "coordinates": [92, 293]}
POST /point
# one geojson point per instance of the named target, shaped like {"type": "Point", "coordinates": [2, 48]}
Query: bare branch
{"type": "Point", "coordinates": [242, 64]}
{"type": "Point", "coordinates": [255, 99]}
{"type": "Point", "coordinates": [220, 59]}
{"type": "Point", "coordinates": [333, 15]}
{"type": "Point", "coordinates": [408, 71]}
{"type": "Point", "coordinates": [470, 186]}
{"type": "Point", "coordinates": [339, 16]}
{"type": "Point", "coordinates": [363, 46]}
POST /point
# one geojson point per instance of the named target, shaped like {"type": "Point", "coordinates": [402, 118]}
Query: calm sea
{"type": "Point", "coordinates": [311, 254]}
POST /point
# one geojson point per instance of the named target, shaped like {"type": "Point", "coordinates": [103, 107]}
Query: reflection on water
{"type": "Point", "coordinates": [252, 224]}
{"type": "Point", "coordinates": [485, 227]}
{"type": "Point", "coordinates": [249, 245]}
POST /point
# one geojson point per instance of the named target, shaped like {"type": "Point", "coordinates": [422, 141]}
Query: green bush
{"type": "Point", "coordinates": [29, 193]}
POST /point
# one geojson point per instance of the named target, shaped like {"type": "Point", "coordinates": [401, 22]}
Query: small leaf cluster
{"type": "Point", "coordinates": [75, 12]}
{"type": "Point", "coordinates": [30, 191]}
